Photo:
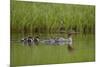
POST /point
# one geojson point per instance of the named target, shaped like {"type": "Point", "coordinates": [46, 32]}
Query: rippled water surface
{"type": "Point", "coordinates": [84, 50]}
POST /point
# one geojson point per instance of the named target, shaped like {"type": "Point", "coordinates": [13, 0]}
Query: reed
{"type": "Point", "coordinates": [29, 17]}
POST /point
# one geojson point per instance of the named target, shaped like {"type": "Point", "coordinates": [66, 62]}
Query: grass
{"type": "Point", "coordinates": [84, 51]}
{"type": "Point", "coordinates": [34, 17]}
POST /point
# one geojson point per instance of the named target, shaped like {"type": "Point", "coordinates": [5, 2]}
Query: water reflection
{"type": "Point", "coordinates": [52, 39]}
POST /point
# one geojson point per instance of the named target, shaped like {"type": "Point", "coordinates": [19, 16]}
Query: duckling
{"type": "Point", "coordinates": [24, 41]}
{"type": "Point", "coordinates": [30, 41]}
{"type": "Point", "coordinates": [36, 40]}
{"type": "Point", "coordinates": [27, 40]}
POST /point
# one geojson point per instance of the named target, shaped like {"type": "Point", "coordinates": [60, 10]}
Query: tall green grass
{"type": "Point", "coordinates": [29, 17]}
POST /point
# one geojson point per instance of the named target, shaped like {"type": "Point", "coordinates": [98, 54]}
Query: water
{"type": "Point", "coordinates": [83, 44]}
{"type": "Point", "coordinates": [51, 38]}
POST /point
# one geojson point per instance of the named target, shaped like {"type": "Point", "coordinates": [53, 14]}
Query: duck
{"type": "Point", "coordinates": [58, 41]}
{"type": "Point", "coordinates": [48, 41]}
{"type": "Point", "coordinates": [27, 40]}
{"type": "Point", "coordinates": [61, 40]}
{"type": "Point", "coordinates": [24, 41]}
{"type": "Point", "coordinates": [36, 40]}
{"type": "Point", "coordinates": [30, 40]}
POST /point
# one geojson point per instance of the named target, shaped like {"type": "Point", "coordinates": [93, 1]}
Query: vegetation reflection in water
{"type": "Point", "coordinates": [84, 50]}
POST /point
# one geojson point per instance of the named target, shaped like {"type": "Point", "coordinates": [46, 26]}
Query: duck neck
{"type": "Point", "coordinates": [69, 35]}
